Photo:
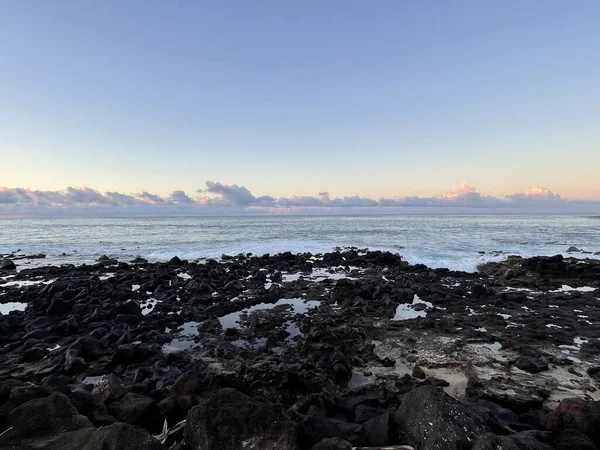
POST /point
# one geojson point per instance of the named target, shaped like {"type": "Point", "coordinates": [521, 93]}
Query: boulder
{"type": "Point", "coordinates": [489, 441]}
{"type": "Point", "coordinates": [577, 414]}
{"type": "Point", "coordinates": [377, 430]}
{"type": "Point", "coordinates": [316, 427]}
{"type": "Point", "coordinates": [364, 413]}
{"type": "Point", "coordinates": [418, 373]}
{"type": "Point", "coordinates": [7, 264]}
{"type": "Point", "coordinates": [332, 444]}
{"type": "Point", "coordinates": [573, 249]}
{"type": "Point", "coordinates": [432, 420]}
{"type": "Point", "coordinates": [230, 419]}
{"type": "Point", "coordinates": [574, 440]}
{"type": "Point", "coordinates": [40, 420]}
{"type": "Point", "coordinates": [118, 436]}
{"type": "Point", "coordinates": [138, 410]}
{"type": "Point", "coordinates": [531, 364]}
{"type": "Point", "coordinates": [109, 387]}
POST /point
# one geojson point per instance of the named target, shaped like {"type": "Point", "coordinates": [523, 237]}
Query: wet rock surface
{"type": "Point", "coordinates": [349, 348]}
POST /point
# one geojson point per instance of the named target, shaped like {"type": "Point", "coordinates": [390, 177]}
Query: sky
{"type": "Point", "coordinates": [360, 100]}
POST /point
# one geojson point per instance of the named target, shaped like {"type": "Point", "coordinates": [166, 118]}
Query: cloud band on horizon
{"type": "Point", "coordinates": [216, 194]}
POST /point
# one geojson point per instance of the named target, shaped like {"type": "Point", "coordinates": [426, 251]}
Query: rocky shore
{"type": "Point", "coordinates": [349, 349]}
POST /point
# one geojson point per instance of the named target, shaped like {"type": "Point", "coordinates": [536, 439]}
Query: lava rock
{"type": "Point", "coordinates": [432, 420]}
{"type": "Point", "coordinates": [418, 373]}
{"type": "Point", "coordinates": [118, 436]}
{"type": "Point", "coordinates": [230, 419]}
{"type": "Point", "coordinates": [332, 444]}
{"type": "Point", "coordinates": [531, 364]}
{"type": "Point", "coordinates": [574, 440]}
{"type": "Point", "coordinates": [138, 410]}
{"type": "Point", "coordinates": [108, 388]}
{"type": "Point", "coordinates": [40, 419]}
{"type": "Point", "coordinates": [7, 264]}
{"type": "Point", "coordinates": [377, 430]}
{"type": "Point", "coordinates": [578, 414]}
{"type": "Point", "coordinates": [489, 441]}
{"type": "Point", "coordinates": [316, 427]}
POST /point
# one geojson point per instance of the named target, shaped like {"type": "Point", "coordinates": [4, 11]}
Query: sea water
{"type": "Point", "coordinates": [455, 241]}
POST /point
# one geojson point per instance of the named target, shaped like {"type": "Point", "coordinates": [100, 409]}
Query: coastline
{"type": "Point", "coordinates": [315, 339]}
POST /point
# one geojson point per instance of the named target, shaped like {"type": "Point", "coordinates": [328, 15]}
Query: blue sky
{"type": "Point", "coordinates": [372, 99]}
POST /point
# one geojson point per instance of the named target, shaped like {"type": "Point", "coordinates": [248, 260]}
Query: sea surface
{"type": "Point", "coordinates": [453, 241]}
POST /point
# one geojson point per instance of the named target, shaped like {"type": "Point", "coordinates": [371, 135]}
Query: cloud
{"type": "Point", "coordinates": [534, 194]}
{"type": "Point", "coordinates": [229, 194]}
{"type": "Point", "coordinates": [181, 197]}
{"type": "Point", "coordinates": [219, 198]}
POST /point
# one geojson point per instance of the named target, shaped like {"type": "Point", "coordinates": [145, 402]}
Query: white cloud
{"type": "Point", "coordinates": [217, 198]}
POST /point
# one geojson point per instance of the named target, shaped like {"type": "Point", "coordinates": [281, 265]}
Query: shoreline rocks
{"type": "Point", "coordinates": [349, 348]}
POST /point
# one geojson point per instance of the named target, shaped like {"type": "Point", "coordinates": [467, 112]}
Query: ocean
{"type": "Point", "coordinates": [459, 242]}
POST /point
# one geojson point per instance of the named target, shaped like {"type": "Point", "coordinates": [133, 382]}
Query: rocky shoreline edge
{"type": "Point", "coordinates": [348, 349]}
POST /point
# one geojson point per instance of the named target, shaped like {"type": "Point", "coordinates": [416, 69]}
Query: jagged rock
{"type": "Point", "coordinates": [41, 419]}
{"type": "Point", "coordinates": [138, 410]}
{"type": "Point", "coordinates": [7, 264]}
{"type": "Point", "coordinates": [316, 427]}
{"type": "Point", "coordinates": [363, 413]}
{"type": "Point", "coordinates": [574, 440]}
{"type": "Point", "coordinates": [230, 419]}
{"type": "Point", "coordinates": [531, 364]}
{"type": "Point", "coordinates": [432, 420]}
{"type": "Point", "coordinates": [109, 387]}
{"type": "Point", "coordinates": [418, 373]}
{"type": "Point", "coordinates": [377, 430]}
{"type": "Point", "coordinates": [118, 436]}
{"type": "Point", "coordinates": [577, 414]}
{"type": "Point", "coordinates": [332, 444]}
{"type": "Point", "coordinates": [490, 441]}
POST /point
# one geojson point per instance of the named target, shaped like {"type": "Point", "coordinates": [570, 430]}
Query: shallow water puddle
{"type": "Point", "coordinates": [299, 306]}
{"type": "Point", "coordinates": [407, 311]}
{"type": "Point", "coordinates": [575, 348]}
{"type": "Point", "coordinates": [149, 306]}
{"type": "Point", "coordinates": [255, 344]}
{"type": "Point", "coordinates": [93, 380]}
{"type": "Point", "coordinates": [184, 339]}
{"type": "Point", "coordinates": [5, 308]}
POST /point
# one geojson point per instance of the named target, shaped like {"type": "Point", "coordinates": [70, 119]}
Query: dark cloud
{"type": "Point", "coordinates": [147, 197]}
{"type": "Point", "coordinates": [230, 194]}
{"type": "Point", "coordinates": [84, 195]}
{"type": "Point", "coordinates": [181, 197]}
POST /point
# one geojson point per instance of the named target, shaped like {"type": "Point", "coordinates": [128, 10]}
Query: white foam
{"type": "Point", "coordinates": [567, 288]}
{"type": "Point", "coordinates": [551, 325]}
{"type": "Point", "coordinates": [184, 275]}
{"type": "Point", "coordinates": [26, 283]}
